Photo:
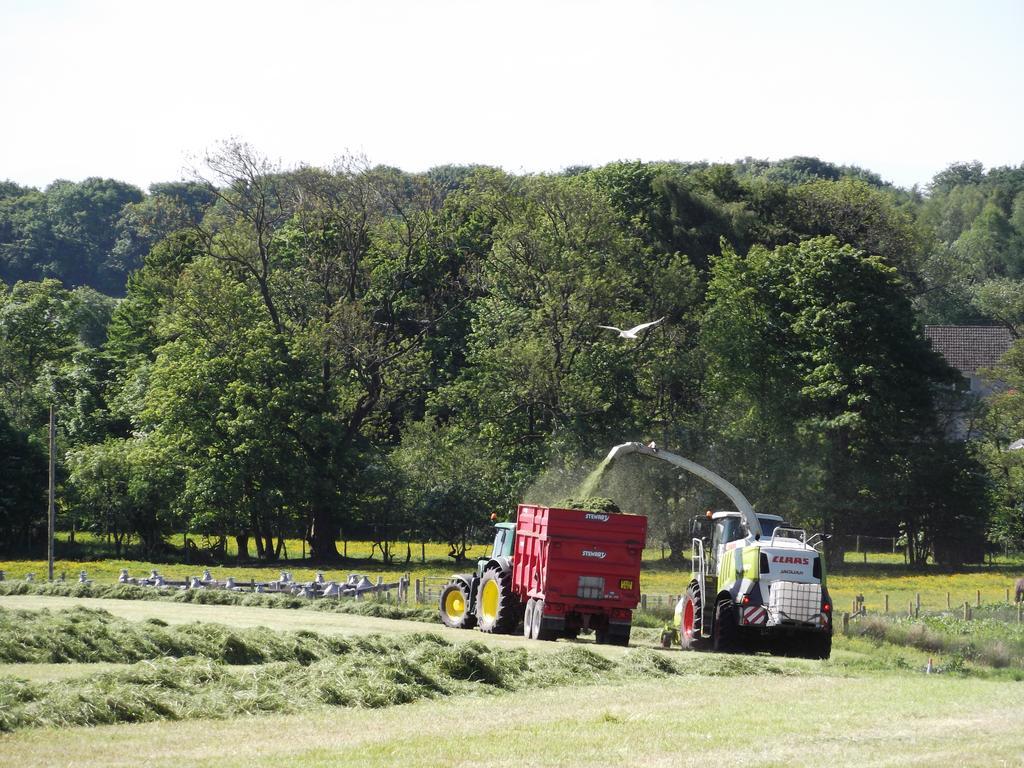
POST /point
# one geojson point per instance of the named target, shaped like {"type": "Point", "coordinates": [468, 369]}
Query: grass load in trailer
{"type": "Point", "coordinates": [553, 573]}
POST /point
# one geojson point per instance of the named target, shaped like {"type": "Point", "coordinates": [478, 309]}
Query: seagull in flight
{"type": "Point", "coordinates": [631, 333]}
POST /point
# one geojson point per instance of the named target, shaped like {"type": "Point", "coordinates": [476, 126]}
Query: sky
{"type": "Point", "coordinates": [139, 90]}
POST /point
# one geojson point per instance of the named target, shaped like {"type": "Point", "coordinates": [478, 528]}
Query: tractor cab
{"type": "Point", "coordinates": [504, 545]}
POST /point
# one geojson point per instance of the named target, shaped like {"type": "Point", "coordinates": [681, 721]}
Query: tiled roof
{"type": "Point", "coordinates": [969, 347]}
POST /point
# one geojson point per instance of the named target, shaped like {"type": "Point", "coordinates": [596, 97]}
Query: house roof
{"type": "Point", "coordinates": [969, 347]}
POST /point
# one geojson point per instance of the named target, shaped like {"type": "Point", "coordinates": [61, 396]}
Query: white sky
{"type": "Point", "coordinates": [132, 89]}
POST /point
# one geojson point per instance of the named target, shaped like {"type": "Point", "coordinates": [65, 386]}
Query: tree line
{"type": "Point", "coordinates": [267, 352]}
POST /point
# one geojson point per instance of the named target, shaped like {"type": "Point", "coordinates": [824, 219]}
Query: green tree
{"type": "Point", "coordinates": [816, 359]}
{"type": "Point", "coordinates": [23, 480]}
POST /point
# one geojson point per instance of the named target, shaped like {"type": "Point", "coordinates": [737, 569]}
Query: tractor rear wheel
{"type": "Point", "coordinates": [724, 634]}
{"type": "Point", "coordinates": [497, 610]}
{"type": "Point", "coordinates": [453, 607]}
{"type": "Point", "coordinates": [692, 620]}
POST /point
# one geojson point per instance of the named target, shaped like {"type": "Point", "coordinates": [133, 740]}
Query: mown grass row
{"type": "Point", "coordinates": [374, 671]}
{"type": "Point", "coordinates": [366, 607]}
{"type": "Point", "coordinates": [86, 635]}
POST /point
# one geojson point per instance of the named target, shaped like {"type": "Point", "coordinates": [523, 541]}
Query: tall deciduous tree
{"type": "Point", "coordinates": [815, 353]}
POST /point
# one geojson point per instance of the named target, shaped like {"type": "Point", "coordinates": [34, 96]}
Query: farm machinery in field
{"type": "Point", "coordinates": [755, 580]}
{"type": "Point", "coordinates": [553, 572]}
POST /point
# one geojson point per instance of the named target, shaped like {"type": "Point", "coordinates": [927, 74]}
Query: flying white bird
{"type": "Point", "coordinates": [631, 333]}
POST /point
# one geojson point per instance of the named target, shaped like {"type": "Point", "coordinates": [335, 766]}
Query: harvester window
{"type": "Point", "coordinates": [768, 526]}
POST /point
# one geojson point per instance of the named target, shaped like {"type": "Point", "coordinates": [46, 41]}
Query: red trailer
{"type": "Point", "coordinates": [556, 570]}
{"type": "Point", "coordinates": [574, 569]}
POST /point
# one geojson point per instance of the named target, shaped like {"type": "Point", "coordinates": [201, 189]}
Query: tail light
{"type": "Point", "coordinates": [745, 600]}
{"type": "Point", "coordinates": [825, 607]}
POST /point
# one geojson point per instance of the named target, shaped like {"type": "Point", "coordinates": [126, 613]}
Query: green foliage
{"type": "Point", "coordinates": [814, 353]}
{"type": "Point", "coordinates": [308, 351]}
{"type": "Point", "coordinates": [23, 471]}
{"type": "Point", "coordinates": [984, 641]}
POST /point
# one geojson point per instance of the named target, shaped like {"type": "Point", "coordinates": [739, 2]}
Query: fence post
{"type": "Point", "coordinates": [910, 609]}
{"type": "Point", "coordinates": [967, 611]}
{"type": "Point", "coordinates": [423, 551]}
{"type": "Point", "coordinates": [948, 605]}
{"type": "Point", "coordinates": [918, 602]}
{"type": "Point", "coordinates": [887, 603]}
{"type": "Point", "coordinates": [419, 598]}
{"type": "Point", "coordinates": [643, 602]}
{"type": "Point", "coordinates": [846, 623]}
{"type": "Point", "coordinates": [1007, 595]}
{"type": "Point", "coordinates": [979, 598]}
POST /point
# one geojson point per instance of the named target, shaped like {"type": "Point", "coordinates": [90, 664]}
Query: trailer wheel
{"type": "Point", "coordinates": [540, 632]}
{"type": "Point", "coordinates": [454, 607]}
{"type": "Point", "coordinates": [498, 609]}
{"type": "Point", "coordinates": [724, 634]}
{"type": "Point", "coordinates": [692, 618]}
{"type": "Point", "coordinates": [528, 618]}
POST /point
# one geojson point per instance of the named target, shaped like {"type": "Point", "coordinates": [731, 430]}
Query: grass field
{"type": "Point", "coordinates": [871, 705]}
{"type": "Point", "coordinates": [872, 721]}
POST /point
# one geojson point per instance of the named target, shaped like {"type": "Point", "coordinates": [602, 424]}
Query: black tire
{"type": "Point", "coordinates": [725, 632]}
{"type": "Point", "coordinates": [614, 634]}
{"type": "Point", "coordinates": [540, 632]}
{"type": "Point", "coordinates": [456, 591]}
{"type": "Point", "coordinates": [528, 618]}
{"type": "Point", "coordinates": [692, 640]}
{"type": "Point", "coordinates": [571, 634]}
{"type": "Point", "coordinates": [818, 645]}
{"type": "Point", "coordinates": [498, 610]}
{"type": "Point", "coordinates": [619, 634]}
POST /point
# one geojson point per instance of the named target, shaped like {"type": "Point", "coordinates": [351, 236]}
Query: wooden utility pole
{"type": "Point", "coordinates": [50, 521]}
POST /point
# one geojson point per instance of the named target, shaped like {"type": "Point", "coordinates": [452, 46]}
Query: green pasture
{"type": "Point", "coordinates": [553, 704]}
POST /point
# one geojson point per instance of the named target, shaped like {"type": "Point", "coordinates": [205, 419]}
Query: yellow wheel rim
{"type": "Point", "coordinates": [489, 600]}
{"type": "Point", "coordinates": [454, 605]}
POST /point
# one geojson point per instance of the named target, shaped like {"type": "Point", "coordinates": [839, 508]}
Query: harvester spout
{"type": "Point", "coordinates": [743, 506]}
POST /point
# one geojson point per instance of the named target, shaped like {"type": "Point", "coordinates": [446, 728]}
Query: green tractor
{"type": "Point", "coordinates": [485, 598]}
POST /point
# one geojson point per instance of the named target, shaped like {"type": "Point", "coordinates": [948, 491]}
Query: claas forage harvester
{"type": "Point", "coordinates": [552, 573]}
